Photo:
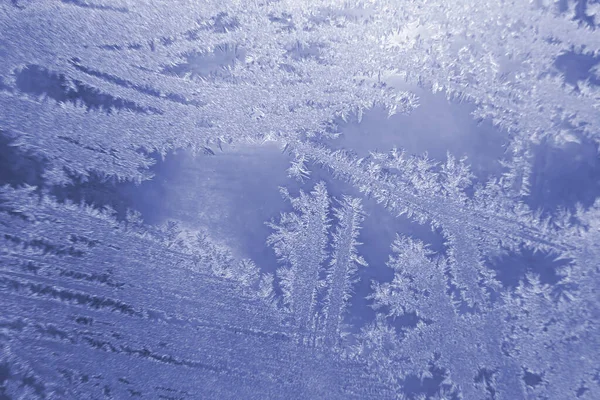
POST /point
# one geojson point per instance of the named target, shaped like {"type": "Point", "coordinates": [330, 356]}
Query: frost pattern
{"type": "Point", "coordinates": [99, 303]}
{"type": "Point", "coordinates": [301, 242]}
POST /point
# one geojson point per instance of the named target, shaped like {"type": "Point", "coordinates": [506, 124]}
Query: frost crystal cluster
{"type": "Point", "coordinates": [284, 199]}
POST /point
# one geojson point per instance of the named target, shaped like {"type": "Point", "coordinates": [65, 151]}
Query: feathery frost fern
{"type": "Point", "coordinates": [98, 303]}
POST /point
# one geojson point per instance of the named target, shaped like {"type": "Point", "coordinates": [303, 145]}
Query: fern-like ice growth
{"type": "Point", "coordinates": [254, 87]}
{"type": "Point", "coordinates": [343, 266]}
{"type": "Point", "coordinates": [459, 342]}
{"type": "Point", "coordinates": [74, 280]}
{"type": "Point", "coordinates": [300, 241]}
{"type": "Point", "coordinates": [106, 84]}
